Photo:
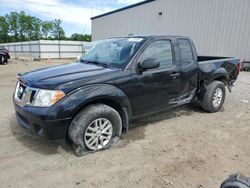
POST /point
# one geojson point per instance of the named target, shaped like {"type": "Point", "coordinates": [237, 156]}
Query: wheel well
{"type": "Point", "coordinates": [108, 102]}
{"type": "Point", "coordinates": [203, 84]}
{"type": "Point", "coordinates": [111, 103]}
{"type": "Point", "coordinates": [222, 79]}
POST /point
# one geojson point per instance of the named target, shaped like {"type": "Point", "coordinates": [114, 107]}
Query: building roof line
{"type": "Point", "coordinates": [121, 9]}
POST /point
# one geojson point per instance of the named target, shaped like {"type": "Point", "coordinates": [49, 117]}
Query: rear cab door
{"type": "Point", "coordinates": [187, 57]}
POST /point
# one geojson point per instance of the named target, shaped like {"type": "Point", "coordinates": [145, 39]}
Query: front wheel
{"type": "Point", "coordinates": [214, 97]}
{"type": "Point", "coordinates": [96, 127]}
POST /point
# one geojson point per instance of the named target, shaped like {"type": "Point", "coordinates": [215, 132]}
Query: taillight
{"type": "Point", "coordinates": [238, 68]}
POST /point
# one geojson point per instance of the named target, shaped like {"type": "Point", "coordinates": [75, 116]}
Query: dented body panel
{"type": "Point", "coordinates": [212, 69]}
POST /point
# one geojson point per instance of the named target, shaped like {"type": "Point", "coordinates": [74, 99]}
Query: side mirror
{"type": "Point", "coordinates": [148, 64]}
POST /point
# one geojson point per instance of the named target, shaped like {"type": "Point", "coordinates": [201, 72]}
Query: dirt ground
{"type": "Point", "coordinates": [184, 147]}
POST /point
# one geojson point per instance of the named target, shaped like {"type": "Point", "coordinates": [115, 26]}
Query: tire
{"type": "Point", "coordinates": [1, 59]}
{"type": "Point", "coordinates": [234, 185]}
{"type": "Point", "coordinates": [6, 61]}
{"type": "Point", "coordinates": [209, 102]}
{"type": "Point", "coordinates": [99, 124]}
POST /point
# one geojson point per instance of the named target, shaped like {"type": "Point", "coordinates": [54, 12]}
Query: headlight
{"type": "Point", "coordinates": [46, 98]}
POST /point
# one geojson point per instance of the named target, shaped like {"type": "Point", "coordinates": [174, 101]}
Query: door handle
{"type": "Point", "coordinates": [174, 74]}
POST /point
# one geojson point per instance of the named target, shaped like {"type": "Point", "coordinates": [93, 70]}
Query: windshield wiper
{"type": "Point", "coordinates": [83, 61]}
{"type": "Point", "coordinates": [101, 64]}
{"type": "Point", "coordinates": [94, 62]}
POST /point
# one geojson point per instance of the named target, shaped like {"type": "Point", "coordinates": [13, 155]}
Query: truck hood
{"type": "Point", "coordinates": [55, 77]}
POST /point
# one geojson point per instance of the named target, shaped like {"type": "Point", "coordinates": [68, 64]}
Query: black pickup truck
{"type": "Point", "coordinates": [91, 101]}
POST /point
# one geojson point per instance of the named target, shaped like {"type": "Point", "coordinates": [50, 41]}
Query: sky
{"type": "Point", "coordinates": [75, 14]}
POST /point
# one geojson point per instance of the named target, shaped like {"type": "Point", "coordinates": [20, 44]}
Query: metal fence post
{"type": "Point", "coordinates": [21, 44]}
{"type": "Point", "coordinates": [39, 49]}
{"type": "Point", "coordinates": [59, 48]}
{"type": "Point", "coordinates": [15, 50]}
{"type": "Point", "coordinates": [30, 48]}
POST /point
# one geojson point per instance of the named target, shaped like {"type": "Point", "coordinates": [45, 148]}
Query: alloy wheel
{"type": "Point", "coordinates": [98, 134]}
{"type": "Point", "coordinates": [217, 97]}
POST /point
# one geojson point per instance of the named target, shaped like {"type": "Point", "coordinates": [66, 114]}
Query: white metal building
{"type": "Point", "coordinates": [44, 49]}
{"type": "Point", "coordinates": [217, 27]}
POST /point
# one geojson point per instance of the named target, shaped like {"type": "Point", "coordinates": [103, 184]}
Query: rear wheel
{"type": "Point", "coordinates": [214, 97]}
{"type": "Point", "coordinates": [95, 128]}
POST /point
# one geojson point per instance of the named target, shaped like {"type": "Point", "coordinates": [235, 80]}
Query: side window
{"type": "Point", "coordinates": [159, 51]}
{"type": "Point", "coordinates": [185, 51]}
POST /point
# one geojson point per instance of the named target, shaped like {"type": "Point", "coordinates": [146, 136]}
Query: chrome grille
{"type": "Point", "coordinates": [24, 95]}
{"type": "Point", "coordinates": [20, 91]}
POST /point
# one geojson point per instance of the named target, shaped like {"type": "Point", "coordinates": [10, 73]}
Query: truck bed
{"type": "Point", "coordinates": [209, 58]}
{"type": "Point", "coordinates": [209, 66]}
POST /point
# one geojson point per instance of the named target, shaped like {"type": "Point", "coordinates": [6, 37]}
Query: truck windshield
{"type": "Point", "coordinates": [113, 52]}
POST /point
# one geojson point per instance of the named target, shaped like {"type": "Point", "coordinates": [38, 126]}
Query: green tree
{"type": "Point", "coordinates": [12, 20]}
{"type": "Point", "coordinates": [77, 37]}
{"type": "Point", "coordinates": [87, 38]}
{"type": "Point", "coordinates": [4, 30]}
{"type": "Point", "coordinates": [80, 37]}
{"type": "Point", "coordinates": [47, 27]}
{"type": "Point", "coordinates": [19, 26]}
{"type": "Point", "coordinates": [22, 25]}
{"type": "Point", "coordinates": [58, 32]}
{"type": "Point", "coordinates": [29, 27]}
{"type": "Point", "coordinates": [35, 29]}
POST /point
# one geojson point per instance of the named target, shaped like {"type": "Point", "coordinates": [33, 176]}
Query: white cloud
{"type": "Point", "coordinates": [51, 9]}
{"type": "Point", "coordinates": [70, 12]}
{"type": "Point", "coordinates": [126, 2]}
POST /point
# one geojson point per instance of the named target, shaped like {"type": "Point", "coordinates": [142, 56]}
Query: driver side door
{"type": "Point", "coordinates": [152, 89]}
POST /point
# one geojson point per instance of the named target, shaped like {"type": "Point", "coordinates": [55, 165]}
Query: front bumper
{"type": "Point", "coordinates": [35, 121]}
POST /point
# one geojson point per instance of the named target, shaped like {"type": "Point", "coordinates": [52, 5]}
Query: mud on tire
{"type": "Point", "coordinates": [84, 119]}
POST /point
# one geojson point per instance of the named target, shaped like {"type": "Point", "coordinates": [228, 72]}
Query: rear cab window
{"type": "Point", "coordinates": [186, 52]}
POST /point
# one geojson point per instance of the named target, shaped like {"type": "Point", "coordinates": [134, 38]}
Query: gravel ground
{"type": "Point", "coordinates": [184, 147]}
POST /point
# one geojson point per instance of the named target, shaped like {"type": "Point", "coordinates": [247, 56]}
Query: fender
{"type": "Point", "coordinates": [220, 73]}
{"type": "Point", "coordinates": [79, 98]}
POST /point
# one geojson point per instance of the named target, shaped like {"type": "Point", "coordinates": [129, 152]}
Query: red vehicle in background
{"type": "Point", "coordinates": [4, 55]}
